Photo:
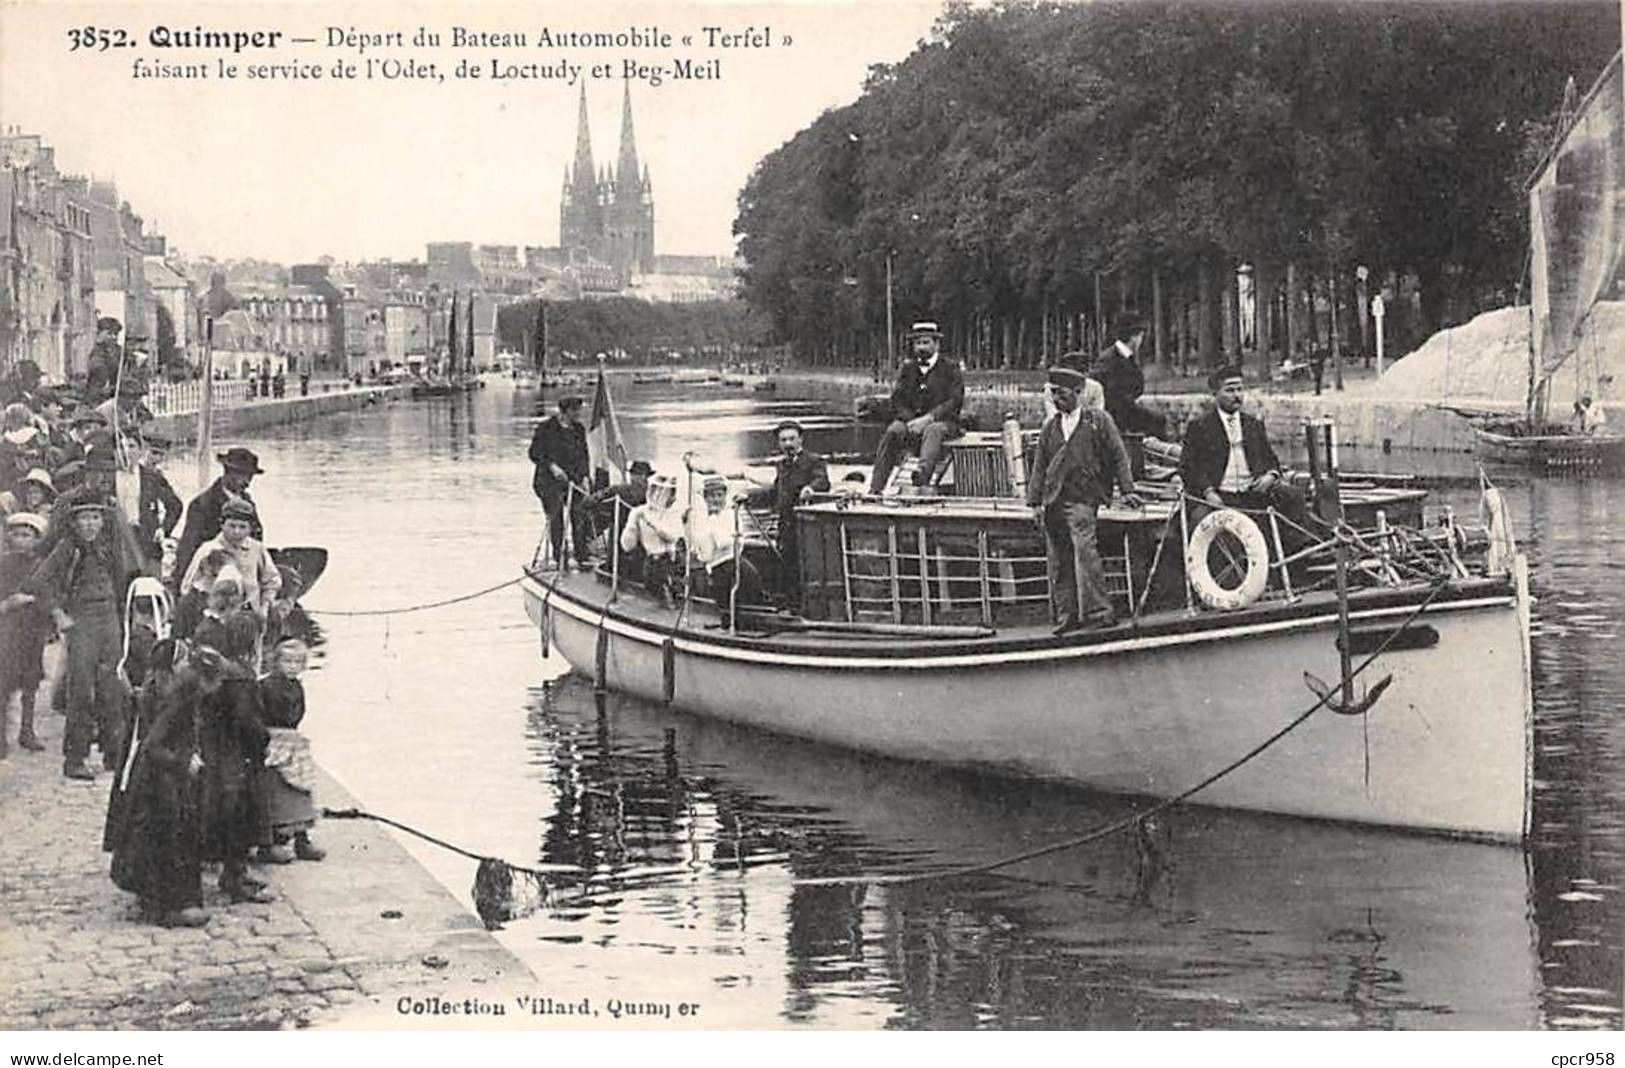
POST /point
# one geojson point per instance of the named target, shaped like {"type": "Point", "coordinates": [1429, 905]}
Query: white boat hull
{"type": "Point", "coordinates": [1446, 748]}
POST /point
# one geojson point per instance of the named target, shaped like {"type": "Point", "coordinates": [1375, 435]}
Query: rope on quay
{"type": "Point", "coordinates": [1129, 822]}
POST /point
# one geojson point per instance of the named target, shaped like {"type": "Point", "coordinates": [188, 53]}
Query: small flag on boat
{"type": "Point", "coordinates": [604, 432]}
{"type": "Point", "coordinates": [451, 335]}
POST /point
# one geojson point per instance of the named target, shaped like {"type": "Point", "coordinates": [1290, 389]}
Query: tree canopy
{"type": "Point", "coordinates": [1027, 150]}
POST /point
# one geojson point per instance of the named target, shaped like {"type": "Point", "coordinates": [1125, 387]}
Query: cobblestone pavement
{"type": "Point", "coordinates": [345, 936]}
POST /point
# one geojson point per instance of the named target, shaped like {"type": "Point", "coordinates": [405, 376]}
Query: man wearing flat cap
{"type": "Point", "coordinates": [559, 450]}
{"type": "Point", "coordinates": [926, 400]}
{"type": "Point", "coordinates": [81, 583]}
{"type": "Point", "coordinates": [261, 579]}
{"type": "Point", "coordinates": [203, 514]}
{"type": "Point", "coordinates": [100, 487]}
{"type": "Point", "coordinates": [159, 509]}
{"type": "Point", "coordinates": [1078, 458]}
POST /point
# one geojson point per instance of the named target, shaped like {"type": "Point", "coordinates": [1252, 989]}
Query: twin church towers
{"type": "Point", "coordinates": [608, 214]}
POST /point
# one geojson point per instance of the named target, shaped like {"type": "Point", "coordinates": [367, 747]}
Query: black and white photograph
{"type": "Point", "coordinates": [804, 515]}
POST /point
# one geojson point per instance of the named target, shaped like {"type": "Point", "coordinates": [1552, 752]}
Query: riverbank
{"type": "Point", "coordinates": [258, 414]}
{"type": "Point", "coordinates": [1365, 419]}
{"type": "Point", "coordinates": [344, 943]}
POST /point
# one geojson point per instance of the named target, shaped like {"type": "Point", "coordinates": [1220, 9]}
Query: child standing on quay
{"type": "Point", "coordinates": [24, 626]}
{"type": "Point", "coordinates": [287, 783]}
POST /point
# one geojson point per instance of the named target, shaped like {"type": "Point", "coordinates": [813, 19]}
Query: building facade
{"type": "Point", "coordinates": [47, 263]}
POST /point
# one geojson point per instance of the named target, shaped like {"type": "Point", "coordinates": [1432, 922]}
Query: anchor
{"type": "Point", "coordinates": [1347, 704]}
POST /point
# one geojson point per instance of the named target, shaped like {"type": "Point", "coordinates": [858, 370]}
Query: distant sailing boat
{"type": "Point", "coordinates": [1576, 233]}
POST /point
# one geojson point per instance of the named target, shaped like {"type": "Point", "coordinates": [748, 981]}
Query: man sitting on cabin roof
{"type": "Point", "coordinates": [926, 400]}
{"type": "Point", "coordinates": [1079, 456]}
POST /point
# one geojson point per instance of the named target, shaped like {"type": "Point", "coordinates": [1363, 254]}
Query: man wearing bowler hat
{"type": "Point", "coordinates": [1079, 456]}
{"type": "Point", "coordinates": [203, 514]}
{"type": "Point", "coordinates": [926, 400]}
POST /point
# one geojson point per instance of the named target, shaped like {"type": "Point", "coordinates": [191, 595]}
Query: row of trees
{"type": "Point", "coordinates": [1035, 168]}
{"type": "Point", "coordinates": [647, 331]}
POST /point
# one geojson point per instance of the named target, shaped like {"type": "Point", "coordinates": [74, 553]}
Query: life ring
{"type": "Point", "coordinates": [1243, 529]}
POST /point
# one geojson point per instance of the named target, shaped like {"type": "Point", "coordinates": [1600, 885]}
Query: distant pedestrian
{"type": "Point", "coordinates": [24, 628]}
{"type": "Point", "coordinates": [287, 782]}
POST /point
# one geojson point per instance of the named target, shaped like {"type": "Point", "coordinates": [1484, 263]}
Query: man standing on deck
{"type": "Point", "coordinates": [1117, 368]}
{"type": "Point", "coordinates": [559, 451]}
{"type": "Point", "coordinates": [926, 400]}
{"type": "Point", "coordinates": [203, 514]}
{"type": "Point", "coordinates": [796, 477]}
{"type": "Point", "coordinates": [1079, 456]}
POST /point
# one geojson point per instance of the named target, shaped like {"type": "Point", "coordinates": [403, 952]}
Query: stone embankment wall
{"type": "Point", "coordinates": [257, 415]}
{"type": "Point", "coordinates": [1363, 421]}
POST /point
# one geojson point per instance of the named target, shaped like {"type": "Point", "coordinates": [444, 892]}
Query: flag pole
{"type": "Point", "coordinates": [205, 415]}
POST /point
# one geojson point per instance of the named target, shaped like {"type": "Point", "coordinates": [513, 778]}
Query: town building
{"type": "Point", "coordinates": [47, 264]}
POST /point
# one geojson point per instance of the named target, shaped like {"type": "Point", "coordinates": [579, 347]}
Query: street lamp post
{"type": "Point", "coordinates": [891, 330]}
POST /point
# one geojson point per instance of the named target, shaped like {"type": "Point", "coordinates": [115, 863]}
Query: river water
{"type": "Point", "coordinates": [450, 720]}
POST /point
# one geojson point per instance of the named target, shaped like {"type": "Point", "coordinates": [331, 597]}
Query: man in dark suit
{"type": "Point", "coordinates": [559, 451]}
{"type": "Point", "coordinates": [203, 514]}
{"type": "Point", "coordinates": [926, 400]}
{"type": "Point", "coordinates": [159, 508]}
{"type": "Point", "coordinates": [1079, 456]}
{"type": "Point", "coordinates": [1227, 459]}
{"type": "Point", "coordinates": [1118, 369]}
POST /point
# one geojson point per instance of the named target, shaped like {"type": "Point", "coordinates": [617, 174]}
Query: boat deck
{"type": "Point", "coordinates": [1376, 610]}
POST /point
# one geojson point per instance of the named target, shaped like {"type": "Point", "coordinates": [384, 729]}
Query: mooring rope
{"type": "Point", "coordinates": [525, 573]}
{"type": "Point", "coordinates": [990, 867]}
{"type": "Point", "coordinates": [1128, 822]}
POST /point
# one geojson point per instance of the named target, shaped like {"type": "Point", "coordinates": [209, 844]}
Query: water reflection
{"type": "Point", "coordinates": [1251, 922]}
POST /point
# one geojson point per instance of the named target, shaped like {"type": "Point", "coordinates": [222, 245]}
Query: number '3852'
{"type": "Point", "coordinates": [98, 38]}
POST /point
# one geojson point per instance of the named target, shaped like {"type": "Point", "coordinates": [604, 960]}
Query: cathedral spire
{"type": "Point", "coordinates": [628, 168]}
{"type": "Point", "coordinates": [584, 170]}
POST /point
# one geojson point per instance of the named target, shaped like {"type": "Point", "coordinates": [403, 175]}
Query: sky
{"type": "Point", "coordinates": [292, 168]}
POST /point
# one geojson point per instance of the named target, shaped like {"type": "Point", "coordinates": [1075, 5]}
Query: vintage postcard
{"type": "Point", "coordinates": [728, 515]}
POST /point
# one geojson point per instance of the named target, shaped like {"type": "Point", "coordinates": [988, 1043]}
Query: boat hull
{"type": "Point", "coordinates": [1448, 743]}
{"type": "Point", "coordinates": [1583, 452]}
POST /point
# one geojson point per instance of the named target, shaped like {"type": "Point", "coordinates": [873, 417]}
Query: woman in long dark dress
{"type": "Point", "coordinates": [154, 826]}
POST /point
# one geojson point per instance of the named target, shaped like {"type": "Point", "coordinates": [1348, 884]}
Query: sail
{"type": "Point", "coordinates": [1575, 224]}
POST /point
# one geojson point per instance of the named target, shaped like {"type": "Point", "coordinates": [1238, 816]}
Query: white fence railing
{"type": "Point", "coordinates": [172, 398]}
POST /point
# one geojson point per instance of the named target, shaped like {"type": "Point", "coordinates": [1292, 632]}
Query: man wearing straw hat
{"type": "Point", "coordinates": [926, 400]}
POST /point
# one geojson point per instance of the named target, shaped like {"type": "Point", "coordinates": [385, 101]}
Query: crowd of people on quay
{"type": "Point", "coordinates": [178, 665]}
{"type": "Point", "coordinates": [1081, 462]}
